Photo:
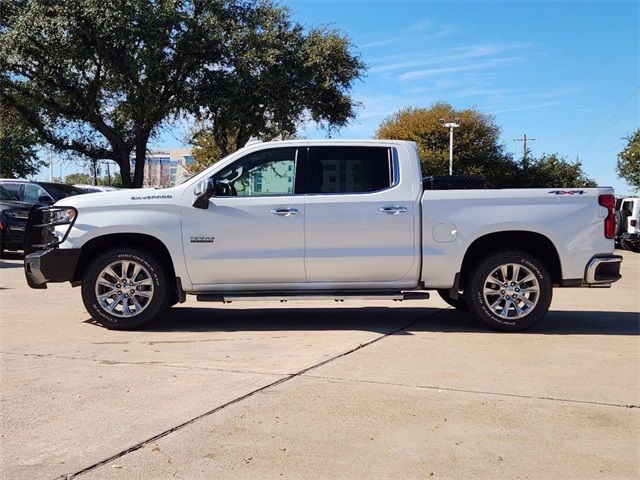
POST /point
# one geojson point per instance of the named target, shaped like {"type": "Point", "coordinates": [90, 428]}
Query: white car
{"type": "Point", "coordinates": [628, 224]}
{"type": "Point", "coordinates": [331, 219]}
{"type": "Point", "coordinates": [95, 188]}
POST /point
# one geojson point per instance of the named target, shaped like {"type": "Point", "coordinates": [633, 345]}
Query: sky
{"type": "Point", "coordinates": [565, 73]}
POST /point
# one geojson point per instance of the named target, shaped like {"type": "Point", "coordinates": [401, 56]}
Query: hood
{"type": "Point", "coordinates": [134, 196]}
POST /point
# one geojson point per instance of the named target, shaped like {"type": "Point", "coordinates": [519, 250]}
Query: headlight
{"type": "Point", "coordinates": [60, 216]}
{"type": "Point", "coordinates": [18, 214]}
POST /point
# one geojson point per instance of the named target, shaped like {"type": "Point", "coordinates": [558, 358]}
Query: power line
{"type": "Point", "coordinates": [594, 125]}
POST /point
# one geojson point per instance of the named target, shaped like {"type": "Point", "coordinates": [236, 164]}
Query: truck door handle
{"type": "Point", "coordinates": [285, 212]}
{"type": "Point", "coordinates": [394, 210]}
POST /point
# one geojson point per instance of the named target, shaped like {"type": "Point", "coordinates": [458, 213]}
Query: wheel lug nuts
{"type": "Point", "coordinates": [502, 292]}
{"type": "Point", "coordinates": [514, 296]}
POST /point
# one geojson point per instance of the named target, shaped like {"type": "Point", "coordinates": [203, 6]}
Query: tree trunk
{"type": "Point", "coordinates": [124, 162]}
{"type": "Point", "coordinates": [141, 157]}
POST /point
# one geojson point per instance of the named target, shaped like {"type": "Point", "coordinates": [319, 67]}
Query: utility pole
{"type": "Point", "coordinates": [108, 172]}
{"type": "Point", "coordinates": [50, 167]}
{"type": "Point", "coordinates": [524, 141]}
{"type": "Point", "coordinates": [450, 126]}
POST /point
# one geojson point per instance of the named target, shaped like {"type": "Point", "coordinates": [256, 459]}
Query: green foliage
{"type": "Point", "coordinates": [78, 178]}
{"type": "Point", "coordinates": [278, 75]}
{"type": "Point", "coordinates": [18, 156]}
{"type": "Point", "coordinates": [87, 179]}
{"type": "Point", "coordinates": [552, 171]}
{"type": "Point", "coordinates": [100, 77]}
{"type": "Point", "coordinates": [628, 166]}
{"type": "Point", "coordinates": [477, 148]}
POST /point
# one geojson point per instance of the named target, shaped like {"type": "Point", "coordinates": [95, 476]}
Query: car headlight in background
{"type": "Point", "coordinates": [17, 214]}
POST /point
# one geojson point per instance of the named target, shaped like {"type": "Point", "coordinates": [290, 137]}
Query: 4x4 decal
{"type": "Point", "coordinates": [567, 192]}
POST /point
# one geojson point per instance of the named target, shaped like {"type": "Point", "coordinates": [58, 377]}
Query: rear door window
{"type": "Point", "coordinates": [345, 170]}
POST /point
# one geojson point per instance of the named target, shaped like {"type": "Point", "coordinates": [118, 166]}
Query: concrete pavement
{"type": "Point", "coordinates": [315, 390]}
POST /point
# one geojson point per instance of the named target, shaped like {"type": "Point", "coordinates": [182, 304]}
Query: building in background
{"type": "Point", "coordinates": [166, 168]}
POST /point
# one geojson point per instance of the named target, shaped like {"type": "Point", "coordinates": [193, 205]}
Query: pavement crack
{"type": "Point", "coordinates": [479, 392]}
{"type": "Point", "coordinates": [144, 443]}
{"type": "Point", "coordinates": [150, 363]}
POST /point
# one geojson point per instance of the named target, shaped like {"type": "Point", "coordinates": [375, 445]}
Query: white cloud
{"type": "Point", "coordinates": [429, 72]}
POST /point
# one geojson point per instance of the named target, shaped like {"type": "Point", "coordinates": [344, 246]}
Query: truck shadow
{"type": "Point", "coordinates": [382, 320]}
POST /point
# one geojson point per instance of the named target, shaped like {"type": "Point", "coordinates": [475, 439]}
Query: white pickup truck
{"type": "Point", "coordinates": [323, 219]}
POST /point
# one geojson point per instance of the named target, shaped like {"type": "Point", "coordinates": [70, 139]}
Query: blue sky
{"type": "Point", "coordinates": [565, 73]}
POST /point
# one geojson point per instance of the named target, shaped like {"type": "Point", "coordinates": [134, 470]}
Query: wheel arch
{"type": "Point", "coordinates": [531, 242]}
{"type": "Point", "coordinates": [99, 244]}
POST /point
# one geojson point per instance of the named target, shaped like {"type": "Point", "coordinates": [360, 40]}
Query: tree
{"type": "Point", "coordinates": [99, 77]}
{"type": "Point", "coordinates": [18, 155]}
{"type": "Point", "coordinates": [277, 75]}
{"type": "Point", "coordinates": [628, 167]}
{"type": "Point", "coordinates": [477, 148]}
{"type": "Point", "coordinates": [552, 171]}
{"type": "Point", "coordinates": [78, 178]}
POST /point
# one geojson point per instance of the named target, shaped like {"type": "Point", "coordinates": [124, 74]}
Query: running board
{"type": "Point", "coordinates": [286, 296]}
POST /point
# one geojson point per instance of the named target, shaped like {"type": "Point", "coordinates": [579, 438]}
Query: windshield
{"type": "Point", "coordinates": [6, 194]}
{"type": "Point", "coordinates": [60, 190]}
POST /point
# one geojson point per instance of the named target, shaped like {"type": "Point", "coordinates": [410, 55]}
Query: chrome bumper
{"type": "Point", "coordinates": [603, 270]}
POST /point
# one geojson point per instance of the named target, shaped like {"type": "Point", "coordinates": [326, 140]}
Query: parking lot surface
{"type": "Point", "coordinates": [320, 390]}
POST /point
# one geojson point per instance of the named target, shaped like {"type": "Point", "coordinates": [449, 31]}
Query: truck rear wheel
{"type": "Point", "coordinates": [125, 288]}
{"type": "Point", "coordinates": [510, 291]}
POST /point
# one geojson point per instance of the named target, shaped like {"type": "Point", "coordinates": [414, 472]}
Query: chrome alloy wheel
{"type": "Point", "coordinates": [511, 291]}
{"type": "Point", "coordinates": [124, 288]}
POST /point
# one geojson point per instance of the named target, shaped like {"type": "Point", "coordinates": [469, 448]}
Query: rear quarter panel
{"type": "Point", "coordinates": [572, 222]}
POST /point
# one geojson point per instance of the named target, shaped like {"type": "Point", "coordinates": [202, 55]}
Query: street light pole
{"type": "Point", "coordinates": [451, 126]}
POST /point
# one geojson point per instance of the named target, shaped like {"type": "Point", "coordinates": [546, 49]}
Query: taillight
{"type": "Point", "coordinates": [609, 202]}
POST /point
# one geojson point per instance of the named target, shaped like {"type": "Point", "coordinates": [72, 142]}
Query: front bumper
{"type": "Point", "coordinates": [603, 270]}
{"type": "Point", "coordinates": [52, 265]}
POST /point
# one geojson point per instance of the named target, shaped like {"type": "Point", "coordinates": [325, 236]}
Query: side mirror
{"type": "Point", "coordinates": [203, 192]}
{"type": "Point", "coordinates": [45, 200]}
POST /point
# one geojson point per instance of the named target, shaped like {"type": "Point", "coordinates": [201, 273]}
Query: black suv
{"type": "Point", "coordinates": [39, 192]}
{"type": "Point", "coordinates": [13, 219]}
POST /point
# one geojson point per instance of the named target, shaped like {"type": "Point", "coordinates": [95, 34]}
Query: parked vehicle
{"type": "Point", "coordinates": [94, 188]}
{"type": "Point", "coordinates": [13, 220]}
{"type": "Point", "coordinates": [628, 224]}
{"type": "Point", "coordinates": [324, 219]}
{"type": "Point", "coordinates": [44, 193]}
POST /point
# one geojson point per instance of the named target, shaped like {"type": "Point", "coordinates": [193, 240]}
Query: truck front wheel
{"type": "Point", "coordinates": [510, 290]}
{"type": "Point", "coordinates": [457, 303]}
{"type": "Point", "coordinates": [125, 288]}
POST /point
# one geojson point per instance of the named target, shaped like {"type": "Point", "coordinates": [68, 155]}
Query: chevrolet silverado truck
{"type": "Point", "coordinates": [323, 219]}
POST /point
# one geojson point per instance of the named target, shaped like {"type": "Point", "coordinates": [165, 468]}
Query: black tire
{"type": "Point", "coordinates": [479, 306]}
{"type": "Point", "coordinates": [631, 246]}
{"type": "Point", "coordinates": [458, 303]}
{"type": "Point", "coordinates": [157, 277]}
{"type": "Point", "coordinates": [1, 248]}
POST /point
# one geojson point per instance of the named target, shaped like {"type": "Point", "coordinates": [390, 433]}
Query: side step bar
{"type": "Point", "coordinates": [323, 295]}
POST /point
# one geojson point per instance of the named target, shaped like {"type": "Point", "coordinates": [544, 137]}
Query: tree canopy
{"type": "Point", "coordinates": [18, 144]}
{"type": "Point", "coordinates": [477, 148]}
{"type": "Point", "coordinates": [101, 77]}
{"type": "Point", "coordinates": [551, 170]}
{"type": "Point", "coordinates": [628, 166]}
